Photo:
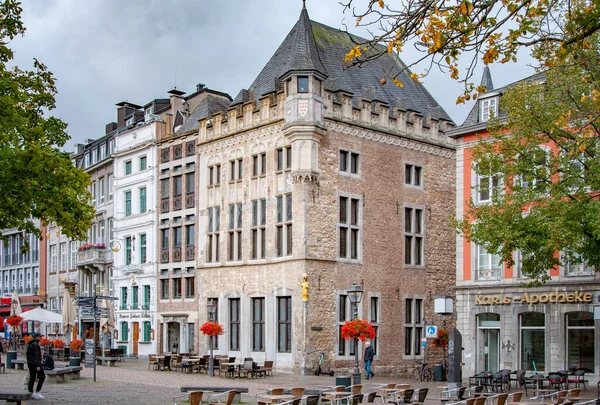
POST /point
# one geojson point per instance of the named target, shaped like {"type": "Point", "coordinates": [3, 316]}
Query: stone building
{"type": "Point", "coordinates": [503, 324]}
{"type": "Point", "coordinates": [178, 217]}
{"type": "Point", "coordinates": [322, 171]}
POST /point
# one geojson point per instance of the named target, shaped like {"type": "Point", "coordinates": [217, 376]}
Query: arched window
{"type": "Point", "coordinates": [533, 341]}
{"type": "Point", "coordinates": [580, 340]}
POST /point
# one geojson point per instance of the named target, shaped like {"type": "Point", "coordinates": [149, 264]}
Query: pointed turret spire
{"type": "Point", "coordinates": [486, 80]}
{"type": "Point", "coordinates": [304, 55]}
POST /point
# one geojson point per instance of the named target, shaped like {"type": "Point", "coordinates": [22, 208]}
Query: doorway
{"type": "Point", "coordinates": [136, 337]}
{"type": "Point", "coordinates": [173, 337]}
{"type": "Point", "coordinates": [488, 342]}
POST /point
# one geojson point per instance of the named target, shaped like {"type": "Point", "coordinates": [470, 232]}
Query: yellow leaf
{"type": "Point", "coordinates": [381, 3]}
{"type": "Point", "coordinates": [398, 83]}
{"type": "Point", "coordinates": [584, 99]}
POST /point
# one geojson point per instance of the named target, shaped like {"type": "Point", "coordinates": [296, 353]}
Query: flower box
{"type": "Point", "coordinates": [358, 329]}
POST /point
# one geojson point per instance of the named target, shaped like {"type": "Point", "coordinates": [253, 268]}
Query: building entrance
{"type": "Point", "coordinates": [488, 342]}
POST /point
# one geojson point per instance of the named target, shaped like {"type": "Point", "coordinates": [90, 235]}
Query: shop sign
{"type": "Point", "coordinates": [532, 299]}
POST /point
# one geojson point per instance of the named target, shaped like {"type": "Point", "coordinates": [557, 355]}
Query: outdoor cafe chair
{"type": "Point", "coordinates": [419, 396]}
{"type": "Point", "coordinates": [453, 394]}
{"type": "Point", "coordinates": [311, 400]}
{"type": "Point", "coordinates": [468, 401]}
{"type": "Point", "coordinates": [295, 401]}
{"type": "Point", "coordinates": [226, 396]}
{"type": "Point", "coordinates": [165, 364]}
{"type": "Point", "coordinates": [498, 399]}
{"type": "Point", "coordinates": [193, 397]}
{"type": "Point", "coordinates": [297, 392]}
{"type": "Point", "coordinates": [515, 397]}
{"type": "Point", "coordinates": [578, 378]}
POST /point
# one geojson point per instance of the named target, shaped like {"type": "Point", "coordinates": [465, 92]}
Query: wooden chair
{"type": "Point", "coordinates": [480, 400]}
{"type": "Point", "coordinates": [406, 396]}
{"type": "Point", "coordinates": [515, 397]}
{"type": "Point", "coordinates": [152, 362]}
{"type": "Point", "coordinates": [267, 368]}
{"type": "Point", "coordinates": [193, 397]}
{"type": "Point", "coordinates": [273, 391]}
{"type": "Point", "coordinates": [355, 389]}
{"type": "Point", "coordinates": [333, 398]}
{"type": "Point", "coordinates": [297, 392]}
{"type": "Point", "coordinates": [573, 395]}
{"type": "Point", "coordinates": [226, 396]}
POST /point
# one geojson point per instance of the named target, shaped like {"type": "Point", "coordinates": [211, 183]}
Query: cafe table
{"type": "Point", "coordinates": [189, 363]}
{"type": "Point", "coordinates": [237, 366]}
{"type": "Point", "coordinates": [275, 399]}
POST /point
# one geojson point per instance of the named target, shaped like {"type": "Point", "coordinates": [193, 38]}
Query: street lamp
{"type": "Point", "coordinates": [355, 295]}
{"type": "Point", "coordinates": [14, 304]}
{"type": "Point", "coordinates": [212, 309]}
{"type": "Point", "coordinates": [443, 305]}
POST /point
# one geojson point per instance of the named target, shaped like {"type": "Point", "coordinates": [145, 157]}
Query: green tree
{"type": "Point", "coordinates": [544, 155]}
{"type": "Point", "coordinates": [451, 34]}
{"type": "Point", "coordinates": [37, 179]}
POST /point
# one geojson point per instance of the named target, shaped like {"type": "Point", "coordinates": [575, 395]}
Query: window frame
{"type": "Point", "coordinates": [258, 229]}
{"type": "Point", "coordinates": [345, 158]}
{"type": "Point", "coordinates": [258, 324]}
{"type": "Point", "coordinates": [488, 108]}
{"type": "Point", "coordinates": [234, 305]}
{"type": "Point", "coordinates": [284, 233]}
{"type": "Point", "coordinates": [413, 175]}
{"type": "Point", "coordinates": [128, 167]}
{"type": "Point", "coordinates": [234, 232]}
{"type": "Point", "coordinates": [284, 324]}
{"type": "Point", "coordinates": [413, 306]}
{"type": "Point", "coordinates": [347, 227]}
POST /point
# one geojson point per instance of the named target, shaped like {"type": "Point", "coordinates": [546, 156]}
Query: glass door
{"type": "Point", "coordinates": [580, 341]}
{"type": "Point", "coordinates": [488, 342]}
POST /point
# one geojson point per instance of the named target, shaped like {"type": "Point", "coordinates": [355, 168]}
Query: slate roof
{"type": "Point", "coordinates": [207, 107]}
{"type": "Point", "coordinates": [314, 46]}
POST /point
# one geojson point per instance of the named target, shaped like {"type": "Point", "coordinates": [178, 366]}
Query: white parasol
{"type": "Point", "coordinates": [15, 297]}
{"type": "Point", "coordinates": [69, 314]}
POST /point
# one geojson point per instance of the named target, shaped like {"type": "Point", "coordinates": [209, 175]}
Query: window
{"type": "Point", "coordinates": [189, 235]}
{"type": "Point", "coordinates": [302, 84]}
{"type": "Point", "coordinates": [258, 324]}
{"type": "Point", "coordinates": [94, 156]}
{"type": "Point", "coordinates": [413, 326]}
{"type": "Point", "coordinates": [128, 250]}
{"type": "Point", "coordinates": [128, 167]}
{"type": "Point", "coordinates": [164, 237]}
{"type": "Point", "coordinates": [533, 341]}
{"type": "Point", "coordinates": [487, 265]}
{"type": "Point", "coordinates": [54, 258]}
{"type": "Point", "coordinates": [177, 186]}
{"type": "Point", "coordinates": [110, 186]}
{"type": "Point", "coordinates": [143, 163]}
{"type": "Point", "coordinates": [177, 287]}
{"type": "Point", "coordinates": [64, 257]}
{"type": "Point", "coordinates": [87, 160]}
{"type": "Point", "coordinates": [487, 187]}
{"type": "Point", "coordinates": [103, 151]}
{"type": "Point", "coordinates": [349, 228]}
{"type": "Point", "coordinates": [215, 318]}
{"type": "Point", "coordinates": [127, 198]}
{"type": "Point", "coordinates": [234, 324]}
{"type": "Point", "coordinates": [414, 235]}
{"type": "Point", "coordinates": [189, 287]}
{"type": "Point", "coordinates": [177, 237]}
{"type": "Point", "coordinates": [164, 288]}
{"type": "Point", "coordinates": [124, 332]}
{"type": "Point", "coordinates": [102, 187]}
{"type": "Point", "coordinates": [189, 183]}
{"type": "Point", "coordinates": [349, 162]}
{"type": "Point", "coordinates": [259, 165]}
{"type": "Point", "coordinates": [143, 205]}
{"type": "Point", "coordinates": [258, 230]}
{"type": "Point", "coordinates": [284, 158]}
{"type": "Point", "coordinates": [214, 175]}
{"type": "Point", "coordinates": [344, 313]}
{"type": "Point", "coordinates": [236, 170]}
{"type": "Point", "coordinates": [146, 304]}
{"type": "Point", "coordinates": [123, 298]}
{"type": "Point", "coordinates": [143, 248]}
{"type": "Point", "coordinates": [413, 175]}
{"type": "Point", "coordinates": [374, 318]}
{"type": "Point", "coordinates": [488, 109]}
{"type": "Point", "coordinates": [93, 191]}
{"type": "Point", "coordinates": [134, 297]}
{"type": "Point", "coordinates": [284, 324]}
{"type": "Point", "coordinates": [147, 331]}
{"type": "Point", "coordinates": [214, 226]}
{"type": "Point", "coordinates": [575, 265]}
{"type": "Point", "coordinates": [235, 232]}
{"type": "Point", "coordinates": [283, 227]}
{"type": "Point", "coordinates": [580, 340]}
{"type": "Point", "coordinates": [538, 175]}
{"type": "Point", "coordinates": [74, 254]}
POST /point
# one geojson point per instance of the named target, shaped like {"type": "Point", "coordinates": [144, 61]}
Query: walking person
{"type": "Point", "coordinates": [35, 365]}
{"type": "Point", "coordinates": [368, 359]}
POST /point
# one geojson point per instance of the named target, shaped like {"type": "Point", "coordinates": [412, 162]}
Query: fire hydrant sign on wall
{"type": "Point", "coordinates": [431, 332]}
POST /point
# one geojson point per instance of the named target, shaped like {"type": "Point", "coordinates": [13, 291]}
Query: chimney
{"type": "Point", "coordinates": [124, 110]}
{"type": "Point", "coordinates": [110, 127]}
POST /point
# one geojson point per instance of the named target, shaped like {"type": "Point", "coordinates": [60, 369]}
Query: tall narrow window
{"type": "Point", "coordinates": [235, 232]}
{"type": "Point", "coordinates": [127, 198]}
{"type": "Point", "coordinates": [177, 237]}
{"type": "Point", "coordinates": [349, 228]}
{"type": "Point", "coordinates": [283, 158]}
{"type": "Point", "coordinates": [283, 227]}
{"type": "Point", "coordinates": [123, 298]}
{"type": "Point", "coordinates": [102, 187]}
{"type": "Point", "coordinates": [189, 286]}
{"type": "Point", "coordinates": [128, 250]}
{"type": "Point", "coordinates": [344, 313]}
{"type": "Point", "coordinates": [413, 326]}
{"type": "Point", "coordinates": [143, 206]}
{"type": "Point", "coordinates": [143, 163]}
{"type": "Point", "coordinates": [413, 175]}
{"type": "Point", "coordinates": [349, 162]}
{"type": "Point", "coordinates": [302, 84]}
{"type": "Point", "coordinates": [190, 185]}
{"type": "Point", "coordinates": [533, 341]}
{"type": "Point", "coordinates": [143, 248]}
{"type": "Point", "coordinates": [236, 170]}
{"type": "Point", "coordinates": [128, 167]}
{"type": "Point", "coordinates": [414, 235]}
{"type": "Point", "coordinates": [258, 324]}
{"type": "Point", "coordinates": [258, 229]}
{"type": "Point", "coordinates": [124, 332]}
{"type": "Point", "coordinates": [259, 165]}
{"type": "Point", "coordinates": [164, 288]}
{"type": "Point", "coordinates": [234, 324]}
{"type": "Point", "coordinates": [214, 175]}
{"type": "Point", "coordinates": [215, 317]}
{"type": "Point", "coordinates": [134, 297]}
{"type": "Point", "coordinates": [284, 324]}
{"type": "Point", "coordinates": [147, 331]}
{"type": "Point", "coordinates": [375, 320]}
{"type": "Point", "coordinates": [146, 297]}
{"type": "Point", "coordinates": [212, 235]}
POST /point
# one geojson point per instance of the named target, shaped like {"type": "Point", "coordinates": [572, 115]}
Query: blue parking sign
{"type": "Point", "coordinates": [431, 332]}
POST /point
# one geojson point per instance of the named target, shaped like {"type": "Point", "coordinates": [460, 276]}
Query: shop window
{"type": "Point", "coordinates": [580, 340]}
{"type": "Point", "coordinates": [533, 341]}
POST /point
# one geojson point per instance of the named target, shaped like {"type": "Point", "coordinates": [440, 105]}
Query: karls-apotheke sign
{"type": "Point", "coordinates": [531, 299]}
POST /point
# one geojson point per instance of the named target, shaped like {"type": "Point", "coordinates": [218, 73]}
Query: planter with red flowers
{"type": "Point", "coordinates": [358, 330]}
{"type": "Point", "coordinates": [441, 342]}
{"type": "Point", "coordinates": [58, 343]}
{"type": "Point", "coordinates": [211, 329]}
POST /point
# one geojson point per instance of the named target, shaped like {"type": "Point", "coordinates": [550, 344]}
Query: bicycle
{"type": "Point", "coordinates": [422, 373]}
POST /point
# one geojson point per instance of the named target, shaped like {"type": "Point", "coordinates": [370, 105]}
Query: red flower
{"type": "Point", "coordinates": [76, 344]}
{"type": "Point", "coordinates": [14, 320]}
{"type": "Point", "coordinates": [27, 339]}
{"type": "Point", "coordinates": [45, 341]}
{"type": "Point", "coordinates": [212, 329]}
{"type": "Point", "coordinates": [58, 343]}
{"type": "Point", "coordinates": [357, 329]}
{"type": "Point", "coordinates": [441, 341]}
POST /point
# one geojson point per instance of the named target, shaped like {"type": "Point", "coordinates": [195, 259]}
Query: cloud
{"type": "Point", "coordinates": [106, 51]}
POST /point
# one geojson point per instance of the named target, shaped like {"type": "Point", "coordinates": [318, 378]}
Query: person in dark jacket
{"type": "Point", "coordinates": [48, 362]}
{"type": "Point", "coordinates": [35, 365]}
{"type": "Point", "coordinates": [368, 359]}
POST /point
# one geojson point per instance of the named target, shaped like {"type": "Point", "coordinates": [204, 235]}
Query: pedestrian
{"type": "Point", "coordinates": [368, 359]}
{"type": "Point", "coordinates": [35, 365]}
{"type": "Point", "coordinates": [48, 361]}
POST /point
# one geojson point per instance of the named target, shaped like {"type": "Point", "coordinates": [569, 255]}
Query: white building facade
{"type": "Point", "coordinates": [134, 241]}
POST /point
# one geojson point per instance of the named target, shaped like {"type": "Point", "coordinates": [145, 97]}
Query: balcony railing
{"type": "Point", "coordinates": [177, 254]}
{"type": "Point", "coordinates": [190, 200]}
{"type": "Point", "coordinates": [189, 253]}
{"type": "Point", "coordinates": [177, 202]}
{"type": "Point", "coordinates": [93, 255]}
{"type": "Point", "coordinates": [164, 256]}
{"type": "Point", "coordinates": [164, 205]}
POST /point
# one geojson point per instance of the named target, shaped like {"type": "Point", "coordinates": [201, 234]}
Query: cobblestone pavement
{"type": "Point", "coordinates": [130, 382]}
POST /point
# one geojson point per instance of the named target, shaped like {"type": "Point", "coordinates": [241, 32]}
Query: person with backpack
{"type": "Point", "coordinates": [35, 365]}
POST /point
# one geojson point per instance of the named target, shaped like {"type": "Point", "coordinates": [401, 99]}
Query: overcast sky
{"type": "Point", "coordinates": [106, 51]}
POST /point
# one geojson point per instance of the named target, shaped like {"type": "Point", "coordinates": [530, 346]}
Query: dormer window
{"type": "Point", "coordinates": [302, 84]}
{"type": "Point", "coordinates": [488, 108]}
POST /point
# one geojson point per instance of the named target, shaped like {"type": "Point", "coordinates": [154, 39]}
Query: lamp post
{"type": "Point", "coordinates": [355, 295]}
{"type": "Point", "coordinates": [13, 305]}
{"type": "Point", "coordinates": [212, 309]}
{"type": "Point", "coordinates": [443, 305]}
